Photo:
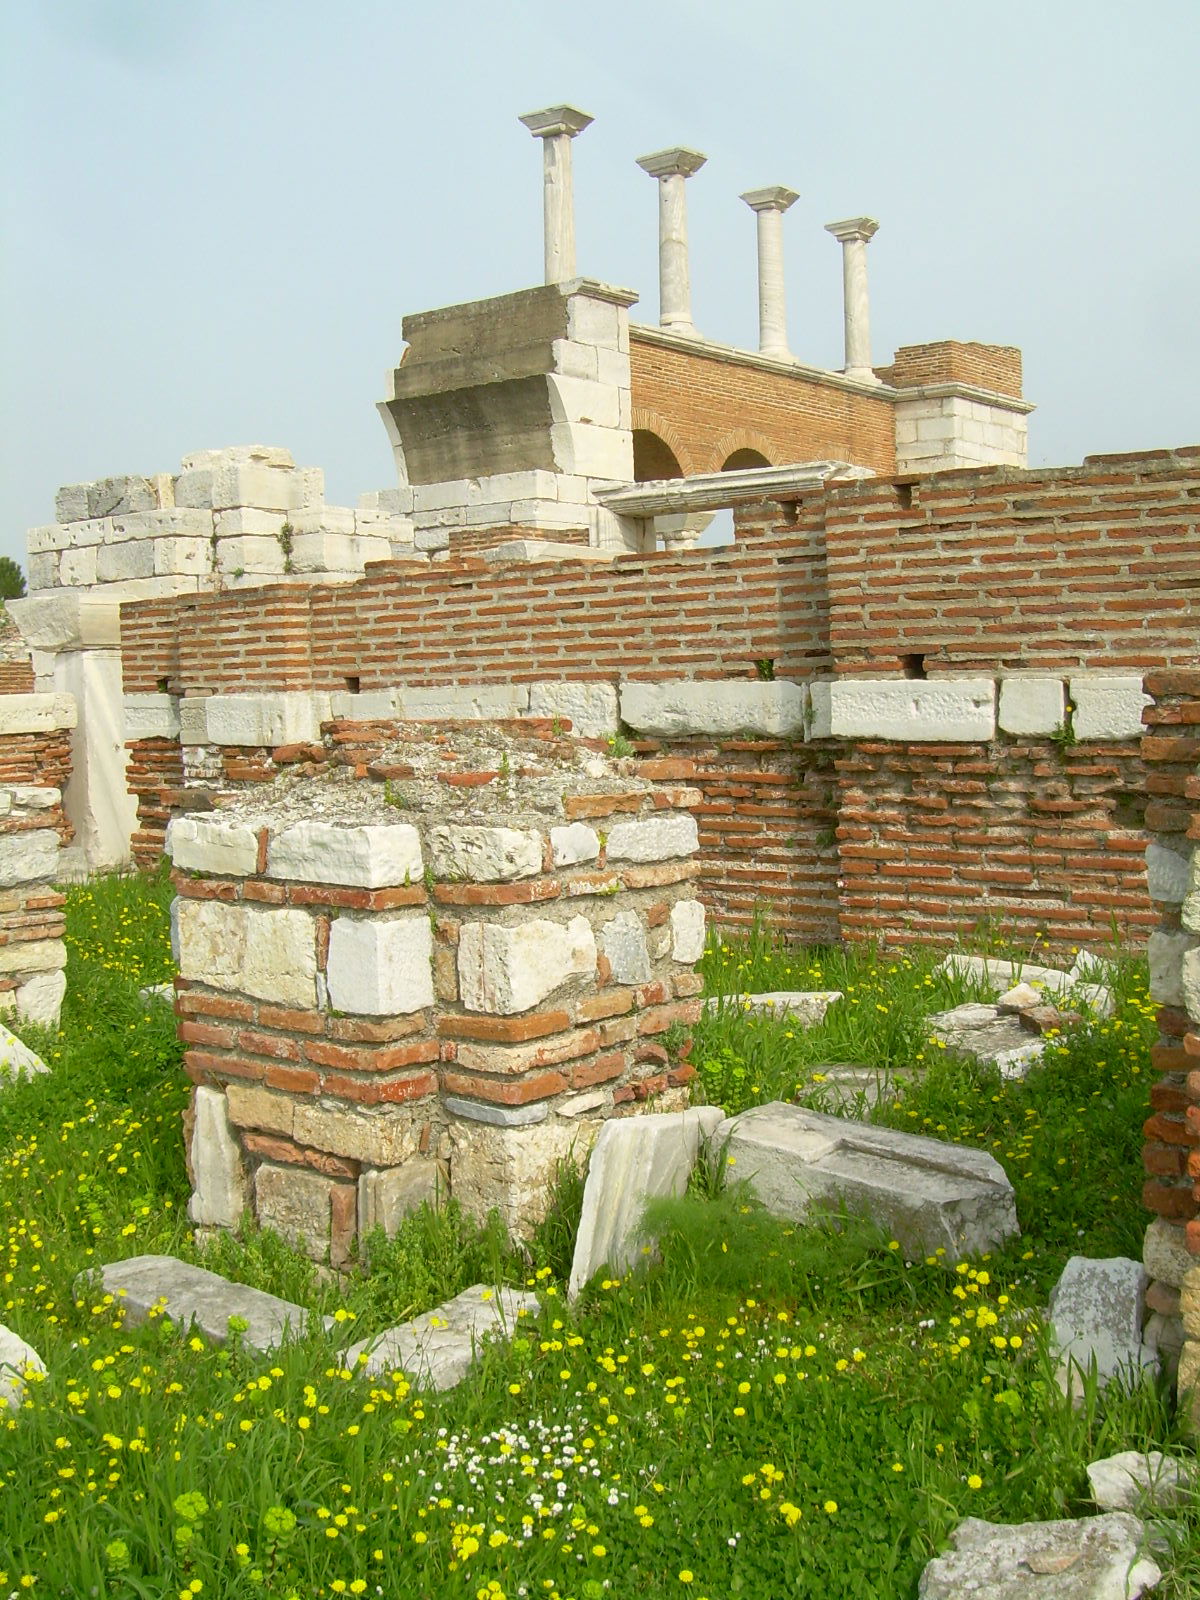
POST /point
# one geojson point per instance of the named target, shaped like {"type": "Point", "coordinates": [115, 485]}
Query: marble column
{"type": "Point", "coordinates": [672, 168]}
{"type": "Point", "coordinates": [556, 126]}
{"type": "Point", "coordinates": [853, 234]}
{"type": "Point", "coordinates": [769, 206]}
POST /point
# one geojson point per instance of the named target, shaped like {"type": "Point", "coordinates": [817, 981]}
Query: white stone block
{"type": "Point", "coordinates": [151, 716]}
{"type": "Point", "coordinates": [573, 843]}
{"type": "Point", "coordinates": [1031, 706]}
{"type": "Point", "coordinates": [17, 1060]}
{"type": "Point", "coordinates": [267, 952]}
{"type": "Point", "coordinates": [326, 552]}
{"type": "Point", "coordinates": [623, 942]}
{"type": "Point", "coordinates": [32, 955]}
{"type": "Point", "coordinates": [175, 555]}
{"type": "Point", "coordinates": [714, 706]}
{"type": "Point", "coordinates": [117, 563]}
{"type": "Point", "coordinates": [1189, 980]}
{"type": "Point", "coordinates": [505, 970]}
{"type": "Point", "coordinates": [654, 839]}
{"type": "Point", "coordinates": [1095, 1315]}
{"type": "Point", "coordinates": [470, 701]}
{"type": "Point", "coordinates": [40, 998]}
{"type": "Point", "coordinates": [380, 966]}
{"type": "Point", "coordinates": [591, 451]}
{"type": "Point", "coordinates": [193, 719]}
{"type": "Point", "coordinates": [18, 1361]}
{"type": "Point", "coordinates": [213, 844]}
{"type": "Point", "coordinates": [612, 366]}
{"type": "Point", "coordinates": [634, 1160]}
{"type": "Point", "coordinates": [289, 717]}
{"type": "Point", "coordinates": [583, 400]}
{"type": "Point", "coordinates": [818, 723]}
{"type": "Point", "coordinates": [265, 487]}
{"type": "Point", "coordinates": [913, 710]}
{"type": "Point", "coordinates": [386, 1197]}
{"type": "Point", "coordinates": [26, 857]}
{"type": "Point", "coordinates": [1108, 708]}
{"type": "Point", "coordinates": [1165, 952]}
{"type": "Point", "coordinates": [261, 555]}
{"type": "Point", "coordinates": [687, 931]}
{"type": "Point", "coordinates": [368, 706]}
{"type": "Point", "coordinates": [219, 1197]}
{"type": "Point", "coordinates": [484, 855]}
{"type": "Point", "coordinates": [247, 522]}
{"type": "Point", "coordinates": [381, 856]}
{"type": "Point", "coordinates": [445, 496]}
{"type": "Point", "coordinates": [77, 569]}
{"type": "Point", "coordinates": [71, 502]}
{"type": "Point", "coordinates": [593, 322]}
{"type": "Point", "coordinates": [571, 359]}
{"type": "Point", "coordinates": [591, 708]}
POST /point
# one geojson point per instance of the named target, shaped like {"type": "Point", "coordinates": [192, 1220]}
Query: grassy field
{"type": "Point", "coordinates": [769, 1411]}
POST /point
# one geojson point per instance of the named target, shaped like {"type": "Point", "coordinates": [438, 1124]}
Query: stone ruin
{"type": "Point", "coordinates": [437, 982]}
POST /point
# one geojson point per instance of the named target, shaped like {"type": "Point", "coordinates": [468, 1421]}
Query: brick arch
{"type": "Point", "coordinates": [646, 421]}
{"type": "Point", "coordinates": [742, 439]}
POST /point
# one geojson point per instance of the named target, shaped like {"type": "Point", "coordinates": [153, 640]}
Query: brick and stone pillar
{"type": "Point", "coordinates": [556, 126]}
{"type": "Point", "coordinates": [1171, 750]}
{"type": "Point", "coordinates": [769, 206]}
{"type": "Point", "coordinates": [385, 1006]}
{"type": "Point", "coordinates": [854, 234]}
{"type": "Point", "coordinates": [672, 168]}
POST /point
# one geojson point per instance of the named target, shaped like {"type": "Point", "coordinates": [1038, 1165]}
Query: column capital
{"type": "Point", "coordinates": [679, 162]}
{"type": "Point", "coordinates": [555, 120]}
{"type": "Point", "coordinates": [775, 198]}
{"type": "Point", "coordinates": [852, 228]}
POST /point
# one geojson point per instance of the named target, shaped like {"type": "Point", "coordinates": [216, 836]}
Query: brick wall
{"type": "Point", "coordinates": [710, 613]}
{"type": "Point", "coordinates": [766, 817]}
{"type": "Point", "coordinates": [984, 366]}
{"type": "Point", "coordinates": [1093, 566]}
{"type": "Point", "coordinates": [709, 403]}
{"type": "Point", "coordinates": [39, 760]}
{"type": "Point", "coordinates": [155, 777]}
{"type": "Point", "coordinates": [937, 841]}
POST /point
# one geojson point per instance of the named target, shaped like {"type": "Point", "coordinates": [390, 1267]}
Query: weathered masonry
{"type": "Point", "coordinates": [399, 999]}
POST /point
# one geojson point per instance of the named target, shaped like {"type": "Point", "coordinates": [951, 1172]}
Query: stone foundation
{"type": "Point", "coordinates": [443, 985]}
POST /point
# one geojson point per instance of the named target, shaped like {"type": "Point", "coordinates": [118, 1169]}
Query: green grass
{"type": "Point", "coordinates": [769, 1410]}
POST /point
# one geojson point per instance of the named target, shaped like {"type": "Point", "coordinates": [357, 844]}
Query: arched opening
{"type": "Point", "coordinates": [653, 457]}
{"type": "Point", "coordinates": [743, 459]}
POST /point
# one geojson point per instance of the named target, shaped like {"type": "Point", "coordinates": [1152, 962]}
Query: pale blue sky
{"type": "Point", "coordinates": [216, 212]}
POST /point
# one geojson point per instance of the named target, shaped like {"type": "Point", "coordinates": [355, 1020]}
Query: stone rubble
{"type": "Point", "coordinates": [633, 1161]}
{"type": "Point", "coordinates": [16, 1359]}
{"type": "Point", "coordinates": [1094, 1558]}
{"type": "Point", "coordinates": [17, 1060]}
{"type": "Point", "coordinates": [1095, 1314]}
{"type": "Point", "coordinates": [438, 1349]}
{"type": "Point", "coordinates": [1136, 1480]}
{"type": "Point", "coordinates": [189, 1296]}
{"type": "Point", "coordinates": [927, 1193]}
{"type": "Point", "coordinates": [805, 1008]}
{"type": "Point", "coordinates": [988, 1035]}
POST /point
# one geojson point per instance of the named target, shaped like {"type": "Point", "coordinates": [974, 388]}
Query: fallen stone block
{"type": "Point", "coordinates": [1137, 1480]}
{"type": "Point", "coordinates": [438, 1349]}
{"type": "Point", "coordinates": [17, 1060]}
{"type": "Point", "coordinates": [839, 1088]}
{"type": "Point", "coordinates": [988, 1035]}
{"type": "Point", "coordinates": [1095, 1316]}
{"type": "Point", "coordinates": [926, 1193]}
{"type": "Point", "coordinates": [189, 1296]}
{"type": "Point", "coordinates": [1093, 1558]}
{"type": "Point", "coordinates": [805, 1007]}
{"type": "Point", "coordinates": [634, 1159]}
{"type": "Point", "coordinates": [17, 1360]}
{"type": "Point", "coordinates": [998, 976]}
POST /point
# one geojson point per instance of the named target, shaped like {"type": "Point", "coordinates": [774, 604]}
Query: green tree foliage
{"type": "Point", "coordinates": [12, 579]}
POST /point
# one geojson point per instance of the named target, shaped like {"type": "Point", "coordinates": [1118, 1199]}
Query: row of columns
{"type": "Point", "coordinates": [558, 125]}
